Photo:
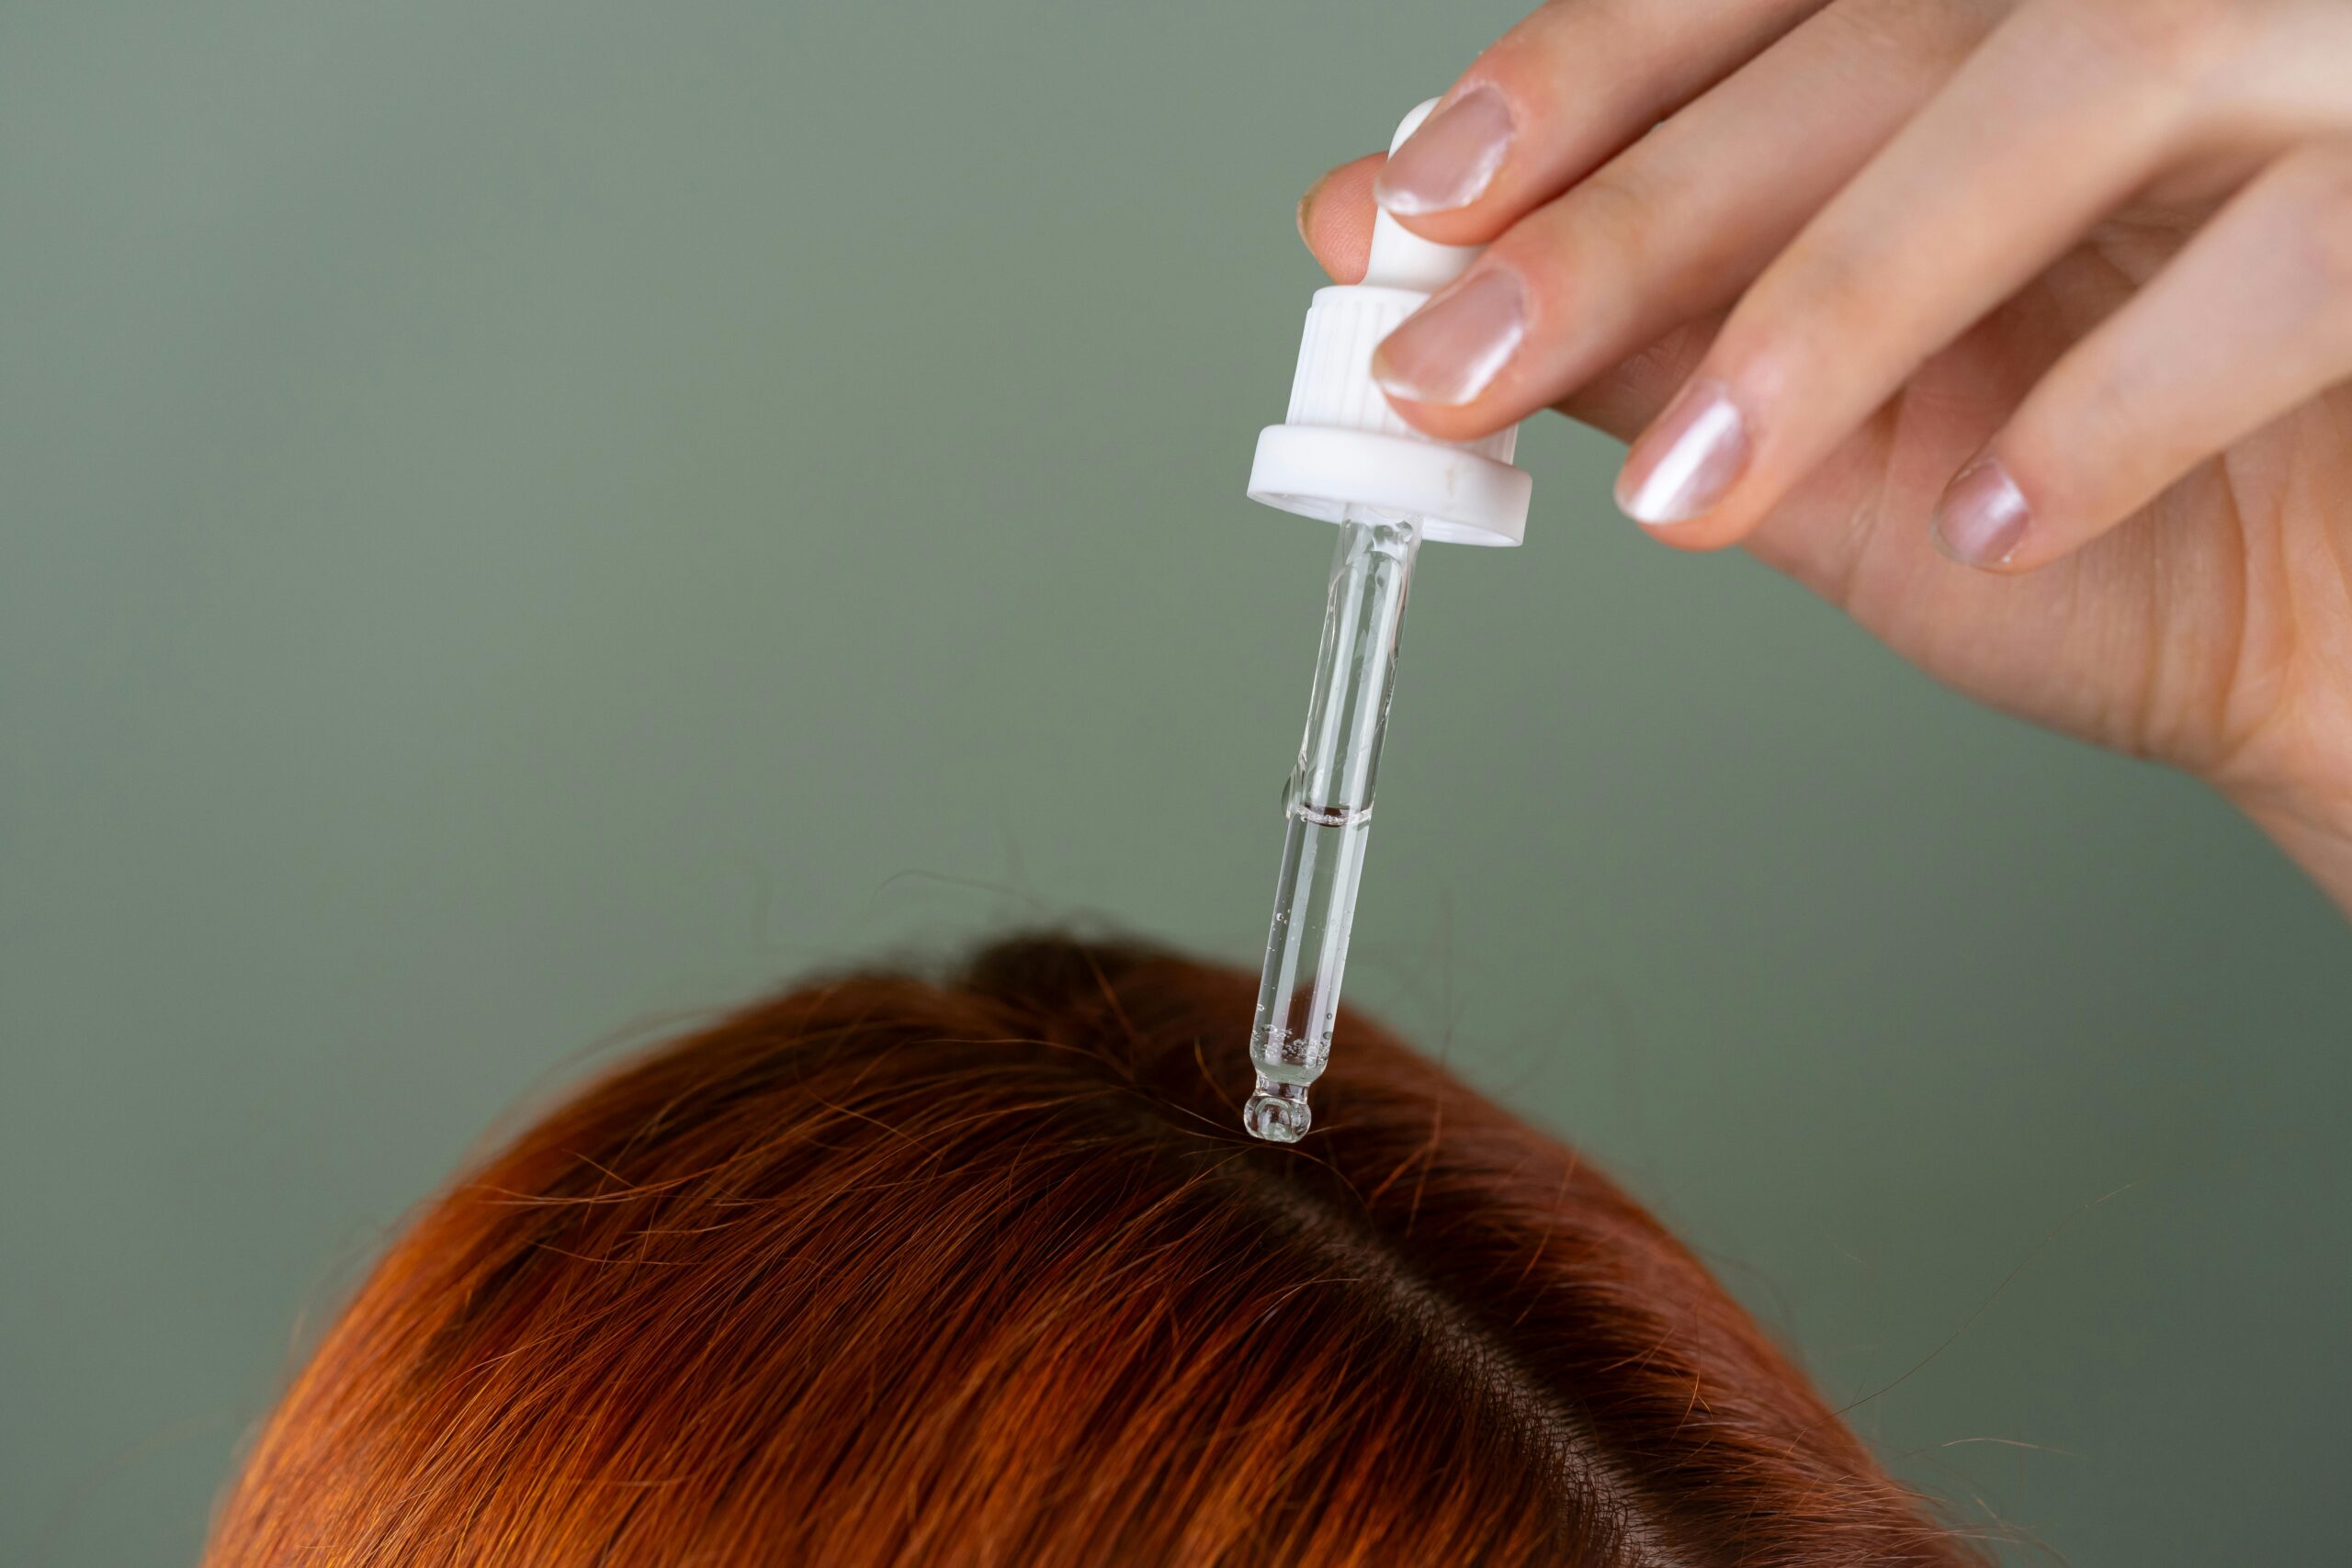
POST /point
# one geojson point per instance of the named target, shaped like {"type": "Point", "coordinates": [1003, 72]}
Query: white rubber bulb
{"type": "Point", "coordinates": [1402, 259]}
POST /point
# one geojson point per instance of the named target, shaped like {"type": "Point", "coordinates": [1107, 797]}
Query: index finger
{"type": "Point", "coordinates": [1559, 96]}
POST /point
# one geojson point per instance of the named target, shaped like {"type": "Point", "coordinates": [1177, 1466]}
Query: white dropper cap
{"type": "Point", "coordinates": [1342, 447]}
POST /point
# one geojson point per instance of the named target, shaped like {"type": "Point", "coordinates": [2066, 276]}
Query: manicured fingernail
{"type": "Point", "coordinates": [1686, 460]}
{"type": "Point", "coordinates": [1982, 516]}
{"type": "Point", "coordinates": [1450, 160]}
{"type": "Point", "coordinates": [1449, 349]}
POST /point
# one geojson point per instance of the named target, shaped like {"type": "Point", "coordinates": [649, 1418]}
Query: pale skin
{"type": "Point", "coordinates": [2020, 331]}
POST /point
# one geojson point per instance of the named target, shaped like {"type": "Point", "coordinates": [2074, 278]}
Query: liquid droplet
{"type": "Point", "coordinates": [1278, 1112]}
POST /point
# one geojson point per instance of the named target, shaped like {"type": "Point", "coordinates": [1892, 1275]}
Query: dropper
{"type": "Point", "coordinates": [1343, 455]}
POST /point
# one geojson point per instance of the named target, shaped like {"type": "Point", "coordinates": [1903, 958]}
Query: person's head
{"type": "Point", "coordinates": [886, 1271]}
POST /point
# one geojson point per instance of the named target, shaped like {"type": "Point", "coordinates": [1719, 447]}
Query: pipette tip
{"type": "Point", "coordinates": [1277, 1112]}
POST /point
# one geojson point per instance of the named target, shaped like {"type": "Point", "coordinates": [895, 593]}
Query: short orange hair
{"type": "Point", "coordinates": [887, 1271]}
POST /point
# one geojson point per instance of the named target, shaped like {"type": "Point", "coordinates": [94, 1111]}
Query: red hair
{"type": "Point", "coordinates": [886, 1271]}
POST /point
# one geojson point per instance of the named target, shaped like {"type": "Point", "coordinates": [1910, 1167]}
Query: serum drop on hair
{"type": "Point", "coordinates": [1343, 455]}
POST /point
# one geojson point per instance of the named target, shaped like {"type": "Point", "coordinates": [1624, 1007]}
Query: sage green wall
{"type": "Point", "coordinates": [519, 520]}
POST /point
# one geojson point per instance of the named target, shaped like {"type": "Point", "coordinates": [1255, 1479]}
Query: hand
{"type": "Point", "coordinates": [2020, 331]}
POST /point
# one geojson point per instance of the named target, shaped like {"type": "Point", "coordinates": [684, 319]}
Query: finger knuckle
{"type": "Point", "coordinates": [1902, 30]}
{"type": "Point", "coordinates": [2180, 40]}
{"type": "Point", "coordinates": [1838, 291]}
{"type": "Point", "coordinates": [2319, 204]}
{"type": "Point", "coordinates": [1617, 208]}
{"type": "Point", "coordinates": [1536, 45]}
{"type": "Point", "coordinates": [1778, 338]}
{"type": "Point", "coordinates": [2090, 406]}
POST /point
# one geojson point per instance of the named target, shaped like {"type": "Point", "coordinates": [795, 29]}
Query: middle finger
{"type": "Point", "coordinates": [1679, 224]}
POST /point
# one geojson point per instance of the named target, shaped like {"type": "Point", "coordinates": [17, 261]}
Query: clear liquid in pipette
{"type": "Point", "coordinates": [1291, 1040]}
{"type": "Point", "coordinates": [1328, 807]}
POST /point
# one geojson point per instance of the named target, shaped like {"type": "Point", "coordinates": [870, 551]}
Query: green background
{"type": "Point", "coordinates": [521, 521]}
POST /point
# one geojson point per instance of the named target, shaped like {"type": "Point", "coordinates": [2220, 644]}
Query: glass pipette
{"type": "Point", "coordinates": [1328, 804]}
{"type": "Point", "coordinates": [1344, 456]}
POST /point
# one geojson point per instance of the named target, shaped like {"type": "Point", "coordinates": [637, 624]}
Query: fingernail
{"type": "Point", "coordinates": [1449, 161]}
{"type": "Point", "coordinates": [1449, 349]}
{"type": "Point", "coordinates": [1686, 460]}
{"type": "Point", "coordinates": [1982, 516]}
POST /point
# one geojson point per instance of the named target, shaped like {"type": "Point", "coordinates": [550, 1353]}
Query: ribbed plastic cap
{"type": "Point", "coordinates": [1342, 448]}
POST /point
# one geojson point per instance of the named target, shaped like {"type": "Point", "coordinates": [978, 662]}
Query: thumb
{"type": "Point", "coordinates": [1335, 217]}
